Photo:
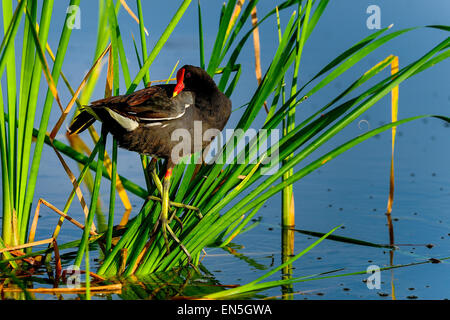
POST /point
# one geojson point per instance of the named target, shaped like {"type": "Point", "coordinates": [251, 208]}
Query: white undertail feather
{"type": "Point", "coordinates": [126, 123]}
{"type": "Point", "coordinates": [130, 124]}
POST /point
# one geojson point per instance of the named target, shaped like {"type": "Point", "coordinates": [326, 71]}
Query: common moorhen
{"type": "Point", "coordinates": [145, 120]}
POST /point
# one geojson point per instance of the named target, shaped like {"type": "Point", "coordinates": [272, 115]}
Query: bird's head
{"type": "Point", "coordinates": [193, 78]}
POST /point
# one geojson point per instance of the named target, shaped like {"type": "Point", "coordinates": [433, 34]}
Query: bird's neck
{"type": "Point", "coordinates": [206, 86]}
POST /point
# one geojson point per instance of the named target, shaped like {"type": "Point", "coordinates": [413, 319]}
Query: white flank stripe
{"type": "Point", "coordinates": [152, 124]}
{"type": "Point", "coordinates": [159, 119]}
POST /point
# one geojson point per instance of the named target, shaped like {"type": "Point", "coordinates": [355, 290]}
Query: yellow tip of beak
{"type": "Point", "coordinates": [174, 94]}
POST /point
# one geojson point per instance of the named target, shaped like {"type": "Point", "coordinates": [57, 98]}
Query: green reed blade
{"type": "Point", "coordinates": [7, 255]}
{"type": "Point", "coordinates": [126, 237]}
{"type": "Point", "coordinates": [200, 37]}
{"type": "Point", "coordinates": [137, 53]}
{"type": "Point", "coordinates": [287, 205]}
{"type": "Point", "coordinates": [143, 38]}
{"type": "Point", "coordinates": [103, 36]}
{"type": "Point", "coordinates": [242, 224]}
{"type": "Point", "coordinates": [116, 40]}
{"type": "Point", "coordinates": [347, 62]}
{"type": "Point", "coordinates": [26, 75]}
{"type": "Point", "coordinates": [234, 82]}
{"type": "Point", "coordinates": [239, 24]}
{"type": "Point", "coordinates": [238, 49]}
{"type": "Point", "coordinates": [7, 203]}
{"type": "Point", "coordinates": [80, 179]}
{"type": "Point", "coordinates": [87, 270]}
{"type": "Point", "coordinates": [32, 103]}
{"type": "Point", "coordinates": [25, 133]}
{"type": "Point", "coordinates": [10, 34]}
{"type": "Point", "coordinates": [62, 48]}
{"type": "Point", "coordinates": [112, 197]}
{"type": "Point", "coordinates": [12, 92]}
{"type": "Point", "coordinates": [220, 39]}
{"type": "Point", "coordinates": [318, 11]}
{"type": "Point", "coordinates": [94, 198]}
{"type": "Point", "coordinates": [158, 46]}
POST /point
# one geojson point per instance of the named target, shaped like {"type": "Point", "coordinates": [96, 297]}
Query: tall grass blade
{"type": "Point", "coordinates": [45, 116]}
{"type": "Point", "coordinates": [95, 194]}
{"type": "Point", "coordinates": [158, 46]}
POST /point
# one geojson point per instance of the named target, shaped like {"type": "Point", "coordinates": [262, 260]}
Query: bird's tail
{"type": "Point", "coordinates": [81, 122]}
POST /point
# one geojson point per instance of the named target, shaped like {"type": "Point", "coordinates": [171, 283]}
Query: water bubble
{"type": "Point", "coordinates": [366, 125]}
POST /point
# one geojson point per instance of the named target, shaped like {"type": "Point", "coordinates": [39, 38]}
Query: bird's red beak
{"type": "Point", "coordinates": [180, 84]}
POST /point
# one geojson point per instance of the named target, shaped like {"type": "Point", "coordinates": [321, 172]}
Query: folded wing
{"type": "Point", "coordinates": [150, 104]}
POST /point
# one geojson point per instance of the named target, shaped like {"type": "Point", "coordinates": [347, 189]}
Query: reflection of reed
{"type": "Point", "coordinates": [391, 243]}
{"type": "Point", "coordinates": [105, 289]}
{"type": "Point", "coordinates": [391, 233]}
{"type": "Point", "coordinates": [287, 252]}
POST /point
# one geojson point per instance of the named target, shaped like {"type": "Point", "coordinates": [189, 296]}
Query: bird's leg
{"type": "Point", "coordinates": [180, 244]}
{"type": "Point", "coordinates": [151, 169]}
{"type": "Point", "coordinates": [178, 205]}
{"type": "Point", "coordinates": [165, 215]}
{"type": "Point", "coordinates": [164, 189]}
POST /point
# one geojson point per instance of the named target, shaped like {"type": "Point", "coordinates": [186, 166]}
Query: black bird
{"type": "Point", "coordinates": [146, 120]}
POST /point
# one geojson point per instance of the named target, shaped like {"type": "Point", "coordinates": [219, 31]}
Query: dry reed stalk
{"type": "Point", "coordinates": [77, 93]}
{"type": "Point", "coordinates": [58, 265]}
{"type": "Point", "coordinates": [257, 47]}
{"type": "Point", "coordinates": [161, 81]}
{"type": "Point", "coordinates": [132, 14]}
{"type": "Point", "coordinates": [234, 16]}
{"type": "Point", "coordinates": [110, 288]}
{"type": "Point", "coordinates": [27, 245]}
{"type": "Point", "coordinates": [65, 216]}
{"type": "Point", "coordinates": [75, 185]}
{"type": "Point", "coordinates": [78, 144]}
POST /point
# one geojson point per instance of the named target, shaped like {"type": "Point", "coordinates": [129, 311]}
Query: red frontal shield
{"type": "Point", "coordinates": [180, 84]}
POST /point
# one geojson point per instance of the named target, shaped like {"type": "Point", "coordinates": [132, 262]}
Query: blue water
{"type": "Point", "coordinates": [352, 190]}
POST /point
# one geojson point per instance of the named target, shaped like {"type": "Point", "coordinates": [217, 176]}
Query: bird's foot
{"type": "Point", "coordinates": [164, 217]}
{"type": "Point", "coordinates": [178, 205]}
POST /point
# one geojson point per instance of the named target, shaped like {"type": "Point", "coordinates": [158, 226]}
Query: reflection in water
{"type": "Point", "coordinates": [287, 252]}
{"type": "Point", "coordinates": [287, 239]}
{"type": "Point", "coordinates": [391, 252]}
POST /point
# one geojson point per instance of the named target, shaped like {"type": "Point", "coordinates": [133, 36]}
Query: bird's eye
{"type": "Point", "coordinates": [188, 75]}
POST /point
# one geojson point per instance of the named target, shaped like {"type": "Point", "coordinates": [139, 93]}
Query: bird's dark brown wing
{"type": "Point", "coordinates": [149, 104]}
